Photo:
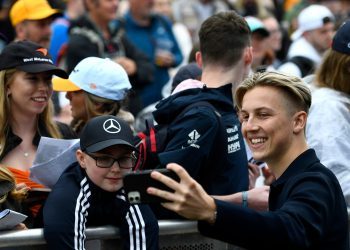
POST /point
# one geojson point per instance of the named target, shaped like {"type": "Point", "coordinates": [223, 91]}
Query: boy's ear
{"type": "Point", "coordinates": [80, 158]}
{"type": "Point", "coordinates": [299, 122]}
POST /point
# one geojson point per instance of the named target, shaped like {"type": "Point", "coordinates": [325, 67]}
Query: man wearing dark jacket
{"type": "Point", "coordinates": [207, 140]}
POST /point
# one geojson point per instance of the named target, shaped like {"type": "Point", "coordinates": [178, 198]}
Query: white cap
{"type": "Point", "coordinates": [311, 18]}
{"type": "Point", "coordinates": [101, 77]}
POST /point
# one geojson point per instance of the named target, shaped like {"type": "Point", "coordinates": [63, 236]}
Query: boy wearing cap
{"type": "Point", "coordinates": [312, 38]}
{"type": "Point", "coordinates": [32, 20]}
{"type": "Point", "coordinates": [95, 87]}
{"type": "Point", "coordinates": [25, 90]}
{"type": "Point", "coordinates": [95, 196]}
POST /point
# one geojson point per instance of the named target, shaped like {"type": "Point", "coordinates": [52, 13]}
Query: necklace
{"type": "Point", "coordinates": [25, 153]}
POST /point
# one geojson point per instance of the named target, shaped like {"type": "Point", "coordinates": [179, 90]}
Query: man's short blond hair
{"type": "Point", "coordinates": [292, 87]}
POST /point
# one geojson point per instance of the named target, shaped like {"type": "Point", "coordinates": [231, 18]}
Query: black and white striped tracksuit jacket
{"type": "Point", "coordinates": [75, 203]}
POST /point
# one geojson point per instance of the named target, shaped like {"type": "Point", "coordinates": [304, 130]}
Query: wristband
{"type": "Point", "coordinates": [213, 219]}
{"type": "Point", "coordinates": [244, 199]}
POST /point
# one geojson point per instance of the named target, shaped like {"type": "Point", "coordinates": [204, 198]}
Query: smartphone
{"type": "Point", "coordinates": [136, 184]}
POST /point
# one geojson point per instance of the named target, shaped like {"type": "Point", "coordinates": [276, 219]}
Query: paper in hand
{"type": "Point", "coordinates": [53, 156]}
{"type": "Point", "coordinates": [9, 219]}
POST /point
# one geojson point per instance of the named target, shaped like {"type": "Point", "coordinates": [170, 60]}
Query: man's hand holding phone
{"type": "Point", "coordinates": [188, 199]}
{"type": "Point", "coordinates": [136, 184]}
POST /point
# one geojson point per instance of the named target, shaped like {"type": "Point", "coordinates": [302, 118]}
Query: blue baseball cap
{"type": "Point", "coordinates": [341, 40]}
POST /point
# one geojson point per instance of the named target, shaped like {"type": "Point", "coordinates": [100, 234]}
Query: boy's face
{"type": "Point", "coordinates": [267, 123]}
{"type": "Point", "coordinates": [107, 178]}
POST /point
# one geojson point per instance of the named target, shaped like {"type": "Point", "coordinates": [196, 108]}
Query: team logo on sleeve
{"type": "Point", "coordinates": [193, 138]}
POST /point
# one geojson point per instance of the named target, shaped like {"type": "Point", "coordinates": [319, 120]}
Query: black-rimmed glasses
{"type": "Point", "coordinates": [124, 162]}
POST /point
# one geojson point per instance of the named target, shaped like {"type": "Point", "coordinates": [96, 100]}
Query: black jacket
{"type": "Point", "coordinates": [12, 140]}
{"type": "Point", "coordinates": [307, 211]}
{"type": "Point", "coordinates": [220, 166]}
{"type": "Point", "coordinates": [76, 203]}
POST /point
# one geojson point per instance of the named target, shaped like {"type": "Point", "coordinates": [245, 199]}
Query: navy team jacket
{"type": "Point", "coordinates": [75, 203]}
{"type": "Point", "coordinates": [220, 166]}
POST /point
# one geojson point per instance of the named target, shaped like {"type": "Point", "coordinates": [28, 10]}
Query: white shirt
{"type": "Point", "coordinates": [328, 132]}
{"type": "Point", "coordinates": [300, 47]}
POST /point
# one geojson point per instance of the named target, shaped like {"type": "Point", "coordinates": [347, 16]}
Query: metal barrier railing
{"type": "Point", "coordinates": [172, 235]}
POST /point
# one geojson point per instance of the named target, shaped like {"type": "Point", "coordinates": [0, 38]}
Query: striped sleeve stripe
{"type": "Point", "coordinates": [143, 233]}
{"type": "Point", "coordinates": [80, 215]}
{"type": "Point", "coordinates": [136, 228]}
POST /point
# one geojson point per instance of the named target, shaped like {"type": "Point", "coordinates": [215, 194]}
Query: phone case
{"type": "Point", "coordinates": [136, 184]}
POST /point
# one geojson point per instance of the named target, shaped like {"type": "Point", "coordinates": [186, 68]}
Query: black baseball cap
{"type": "Point", "coordinates": [341, 40]}
{"type": "Point", "coordinates": [104, 131]}
{"type": "Point", "coordinates": [28, 57]}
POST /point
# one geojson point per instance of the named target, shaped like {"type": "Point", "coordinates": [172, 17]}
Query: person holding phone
{"type": "Point", "coordinates": [307, 209]}
{"type": "Point", "coordinates": [90, 191]}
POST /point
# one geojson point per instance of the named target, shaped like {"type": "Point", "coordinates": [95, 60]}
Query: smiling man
{"type": "Point", "coordinates": [307, 209]}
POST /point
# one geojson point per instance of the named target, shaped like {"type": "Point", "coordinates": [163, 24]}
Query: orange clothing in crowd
{"type": "Point", "coordinates": [23, 177]}
{"type": "Point", "coordinates": [289, 4]}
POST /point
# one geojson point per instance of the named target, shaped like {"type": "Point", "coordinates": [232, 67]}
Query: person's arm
{"type": "Point", "coordinates": [257, 198]}
{"type": "Point", "coordinates": [64, 219]}
{"type": "Point", "coordinates": [144, 68]}
{"type": "Point", "coordinates": [176, 54]}
{"type": "Point", "coordinates": [139, 229]}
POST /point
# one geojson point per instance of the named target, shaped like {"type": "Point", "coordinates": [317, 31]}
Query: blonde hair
{"type": "Point", "coordinates": [293, 88]}
{"type": "Point", "coordinates": [334, 72]}
{"type": "Point", "coordinates": [7, 78]}
{"type": "Point", "coordinates": [6, 175]}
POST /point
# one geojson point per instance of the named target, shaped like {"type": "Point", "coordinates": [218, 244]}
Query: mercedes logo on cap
{"type": "Point", "coordinates": [111, 126]}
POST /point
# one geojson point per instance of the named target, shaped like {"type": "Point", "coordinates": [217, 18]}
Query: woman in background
{"type": "Point", "coordinates": [95, 87]}
{"type": "Point", "coordinates": [328, 127]}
